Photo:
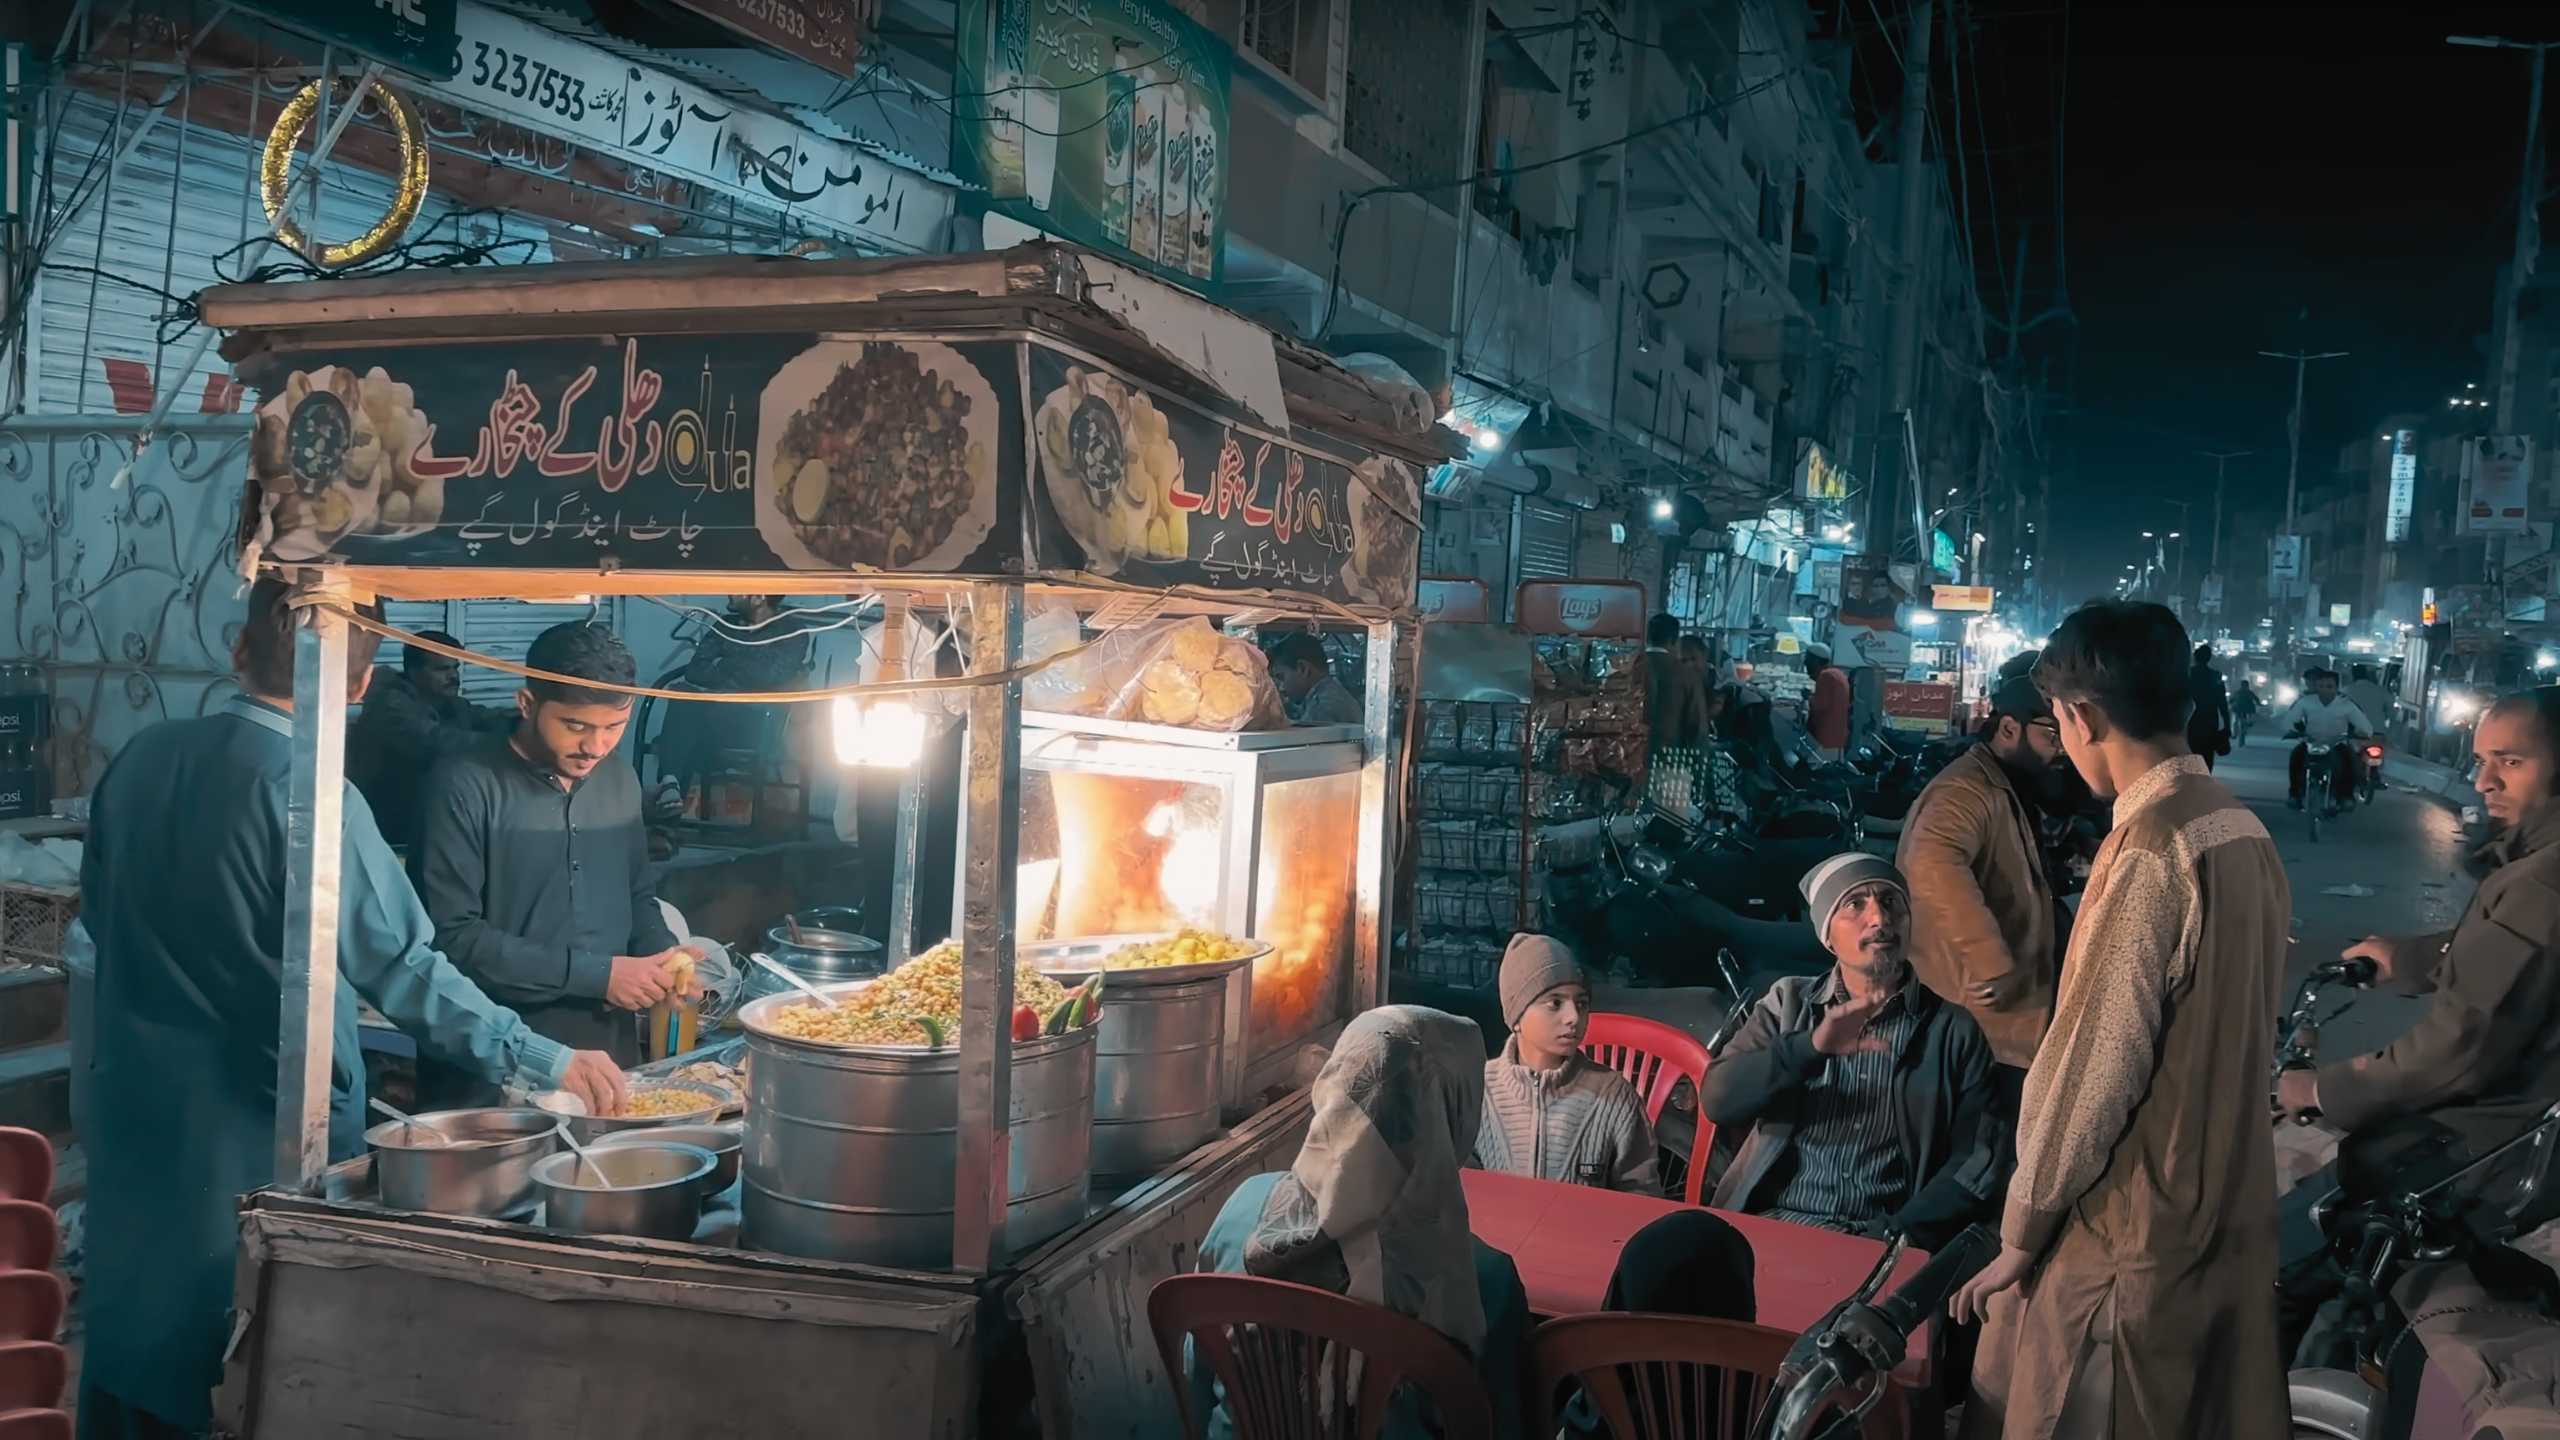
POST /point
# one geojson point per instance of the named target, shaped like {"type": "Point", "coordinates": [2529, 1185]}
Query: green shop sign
{"type": "Point", "coordinates": [412, 35]}
{"type": "Point", "coordinates": [1103, 122]}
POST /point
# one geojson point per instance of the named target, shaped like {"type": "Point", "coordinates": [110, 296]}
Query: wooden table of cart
{"type": "Point", "coordinates": [1044, 428]}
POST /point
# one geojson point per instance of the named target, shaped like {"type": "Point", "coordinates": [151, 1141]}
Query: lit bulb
{"type": "Point", "coordinates": [1662, 509]}
{"type": "Point", "coordinates": [885, 733]}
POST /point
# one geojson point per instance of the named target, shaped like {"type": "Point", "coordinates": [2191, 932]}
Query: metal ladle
{"type": "Point", "coordinates": [413, 1123]}
{"type": "Point", "coordinates": [588, 1159]}
{"type": "Point", "coordinates": [803, 986]}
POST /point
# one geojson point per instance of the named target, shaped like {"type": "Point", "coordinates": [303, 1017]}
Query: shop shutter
{"type": "Point", "coordinates": [185, 196]}
{"type": "Point", "coordinates": [1547, 541]}
{"type": "Point", "coordinates": [506, 629]}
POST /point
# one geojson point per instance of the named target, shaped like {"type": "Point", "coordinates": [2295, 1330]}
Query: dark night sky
{"type": "Point", "coordinates": [2241, 178]}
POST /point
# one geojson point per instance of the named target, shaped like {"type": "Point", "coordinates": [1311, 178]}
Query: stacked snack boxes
{"type": "Point", "coordinates": [1469, 793]}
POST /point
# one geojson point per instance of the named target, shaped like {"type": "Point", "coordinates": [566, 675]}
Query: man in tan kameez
{"type": "Point", "coordinates": [2134, 1295]}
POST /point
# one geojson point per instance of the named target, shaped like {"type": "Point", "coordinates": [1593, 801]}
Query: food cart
{"type": "Point", "coordinates": [977, 438]}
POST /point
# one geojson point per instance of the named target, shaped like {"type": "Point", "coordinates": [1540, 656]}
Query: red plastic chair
{"type": "Point", "coordinates": [1672, 1377]}
{"type": "Point", "coordinates": [1655, 1058]}
{"type": "Point", "coordinates": [32, 1374]}
{"type": "Point", "coordinates": [27, 1235]}
{"type": "Point", "coordinates": [31, 1305]}
{"type": "Point", "coordinates": [26, 1165]}
{"type": "Point", "coordinates": [35, 1424]}
{"type": "Point", "coordinates": [1284, 1356]}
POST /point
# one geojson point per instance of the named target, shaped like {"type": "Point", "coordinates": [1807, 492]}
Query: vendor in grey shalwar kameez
{"type": "Point", "coordinates": [2134, 1295]}
{"type": "Point", "coordinates": [1550, 1112]}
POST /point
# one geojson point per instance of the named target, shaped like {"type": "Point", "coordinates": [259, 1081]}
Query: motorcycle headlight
{"type": "Point", "coordinates": [1646, 863]}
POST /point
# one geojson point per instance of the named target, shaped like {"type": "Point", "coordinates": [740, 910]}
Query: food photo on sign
{"type": "Point", "coordinates": [1140, 486]}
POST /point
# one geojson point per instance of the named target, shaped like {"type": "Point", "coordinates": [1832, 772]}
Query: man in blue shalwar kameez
{"type": "Point", "coordinates": [183, 891]}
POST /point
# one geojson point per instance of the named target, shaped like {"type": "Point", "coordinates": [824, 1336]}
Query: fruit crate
{"type": "Point", "coordinates": [35, 922]}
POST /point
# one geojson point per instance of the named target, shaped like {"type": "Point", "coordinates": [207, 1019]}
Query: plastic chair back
{"type": "Point", "coordinates": [26, 1165]}
{"type": "Point", "coordinates": [1297, 1363]}
{"type": "Point", "coordinates": [28, 1235]}
{"type": "Point", "coordinates": [31, 1305]}
{"type": "Point", "coordinates": [32, 1374]}
{"type": "Point", "coordinates": [1655, 1058]}
{"type": "Point", "coordinates": [35, 1424]}
{"type": "Point", "coordinates": [1671, 1377]}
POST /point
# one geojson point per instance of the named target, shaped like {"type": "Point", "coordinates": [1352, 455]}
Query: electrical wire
{"type": "Point", "coordinates": [1342, 222]}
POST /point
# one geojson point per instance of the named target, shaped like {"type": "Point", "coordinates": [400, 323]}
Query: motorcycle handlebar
{"type": "Point", "coordinates": [1925, 1294]}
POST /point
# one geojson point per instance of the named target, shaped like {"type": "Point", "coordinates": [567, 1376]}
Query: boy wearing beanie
{"type": "Point", "coordinates": [1549, 1112]}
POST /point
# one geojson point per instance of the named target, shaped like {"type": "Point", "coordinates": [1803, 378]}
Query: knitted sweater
{"type": "Point", "coordinates": [1582, 1125]}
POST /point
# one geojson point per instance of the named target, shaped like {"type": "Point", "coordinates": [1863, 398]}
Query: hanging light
{"type": "Point", "coordinates": [883, 734]}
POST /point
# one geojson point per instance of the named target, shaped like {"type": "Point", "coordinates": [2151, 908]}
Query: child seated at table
{"type": "Point", "coordinates": [1372, 1207]}
{"type": "Point", "coordinates": [1550, 1113]}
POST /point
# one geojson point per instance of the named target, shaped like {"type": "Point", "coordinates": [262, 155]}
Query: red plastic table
{"type": "Point", "coordinates": [1565, 1239]}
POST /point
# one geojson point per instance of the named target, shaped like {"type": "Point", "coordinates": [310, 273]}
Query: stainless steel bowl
{"type": "Point", "coordinates": [484, 1168]}
{"type": "Point", "coordinates": [653, 1189]}
{"type": "Point", "coordinates": [591, 1128]}
{"type": "Point", "coordinates": [723, 1141]}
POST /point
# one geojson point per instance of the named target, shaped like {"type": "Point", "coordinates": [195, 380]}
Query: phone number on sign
{"type": "Point", "coordinates": [522, 77]}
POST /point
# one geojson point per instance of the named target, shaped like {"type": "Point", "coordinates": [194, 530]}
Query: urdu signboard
{"type": "Point", "coordinates": [1102, 124]}
{"type": "Point", "coordinates": [2404, 486]}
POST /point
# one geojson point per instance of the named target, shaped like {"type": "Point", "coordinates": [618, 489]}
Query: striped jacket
{"type": "Point", "coordinates": [1582, 1125]}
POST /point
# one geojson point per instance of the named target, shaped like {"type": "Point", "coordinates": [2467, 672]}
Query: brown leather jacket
{"type": "Point", "coordinates": [2485, 1057]}
{"type": "Point", "coordinates": [1981, 910]}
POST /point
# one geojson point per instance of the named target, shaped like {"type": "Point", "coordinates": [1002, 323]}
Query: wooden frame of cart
{"type": "Point", "coordinates": [1029, 427]}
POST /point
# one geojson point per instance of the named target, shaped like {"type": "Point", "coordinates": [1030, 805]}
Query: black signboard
{"type": "Point", "coordinates": [1135, 484]}
{"type": "Point", "coordinates": [754, 452]}
{"type": "Point", "coordinates": [802, 452]}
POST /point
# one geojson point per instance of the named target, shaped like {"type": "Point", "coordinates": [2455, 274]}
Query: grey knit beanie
{"type": "Point", "coordinates": [1830, 882]}
{"type": "Point", "coordinates": [1532, 965]}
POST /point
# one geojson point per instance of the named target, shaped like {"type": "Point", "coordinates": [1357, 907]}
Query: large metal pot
{"type": "Point", "coordinates": [851, 1149]}
{"type": "Point", "coordinates": [653, 1189]}
{"type": "Point", "coordinates": [489, 1173]}
{"type": "Point", "coordinates": [830, 947]}
{"type": "Point", "coordinates": [1159, 1056]}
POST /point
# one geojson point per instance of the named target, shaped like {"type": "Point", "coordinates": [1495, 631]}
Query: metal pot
{"type": "Point", "coordinates": [830, 948]}
{"type": "Point", "coordinates": [851, 1149]}
{"type": "Point", "coordinates": [653, 1189]}
{"type": "Point", "coordinates": [1160, 1055]}
{"type": "Point", "coordinates": [467, 1179]}
{"type": "Point", "coordinates": [723, 1141]}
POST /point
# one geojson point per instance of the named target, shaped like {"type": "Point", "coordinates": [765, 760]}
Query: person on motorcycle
{"type": "Point", "coordinates": [1982, 911]}
{"type": "Point", "coordinates": [2365, 689]}
{"type": "Point", "coordinates": [2323, 718]}
{"type": "Point", "coordinates": [2483, 1061]}
{"type": "Point", "coordinates": [2209, 724]}
{"type": "Point", "coordinates": [1868, 1098]}
{"type": "Point", "coordinates": [1550, 1112]}
{"type": "Point", "coordinates": [2244, 709]}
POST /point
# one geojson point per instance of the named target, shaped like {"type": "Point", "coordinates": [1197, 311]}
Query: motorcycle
{"type": "Point", "coordinates": [2320, 785]}
{"type": "Point", "coordinates": [2351, 1377]}
{"type": "Point", "coordinates": [2369, 784]}
{"type": "Point", "coordinates": [1839, 1368]}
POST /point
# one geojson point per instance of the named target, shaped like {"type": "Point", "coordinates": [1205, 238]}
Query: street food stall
{"type": "Point", "coordinates": [1089, 477]}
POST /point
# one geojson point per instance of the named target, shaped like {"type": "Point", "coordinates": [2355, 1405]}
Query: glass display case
{"type": "Point", "coordinates": [1130, 828]}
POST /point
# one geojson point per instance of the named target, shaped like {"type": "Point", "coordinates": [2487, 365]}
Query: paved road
{"type": "Point", "coordinates": [2406, 849]}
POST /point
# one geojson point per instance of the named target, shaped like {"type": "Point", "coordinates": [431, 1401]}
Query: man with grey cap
{"type": "Point", "coordinates": [1983, 917]}
{"type": "Point", "coordinates": [1868, 1097]}
{"type": "Point", "coordinates": [1549, 1112]}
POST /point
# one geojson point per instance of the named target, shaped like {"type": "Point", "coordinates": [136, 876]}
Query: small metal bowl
{"type": "Point", "coordinates": [723, 1141]}
{"type": "Point", "coordinates": [588, 1129]}
{"type": "Point", "coordinates": [653, 1189]}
